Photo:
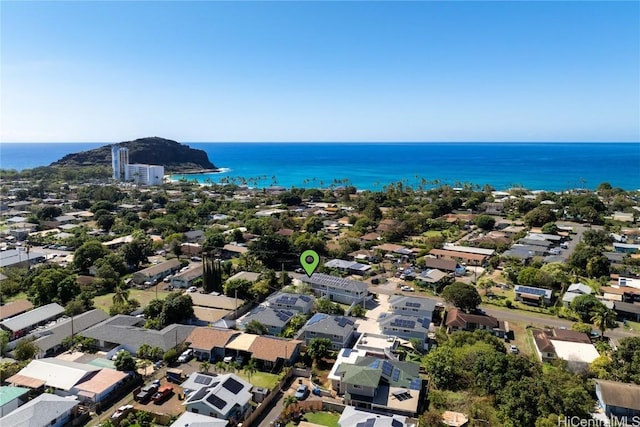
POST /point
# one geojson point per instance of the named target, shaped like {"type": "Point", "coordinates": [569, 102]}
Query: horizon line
{"type": "Point", "coordinates": [329, 142]}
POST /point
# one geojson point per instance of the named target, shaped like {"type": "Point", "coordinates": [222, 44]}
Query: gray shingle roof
{"type": "Point", "coordinates": [39, 412]}
{"type": "Point", "coordinates": [335, 282]}
{"type": "Point", "coordinates": [53, 336]}
{"type": "Point", "coordinates": [269, 316]}
{"type": "Point", "coordinates": [329, 324]}
{"type": "Point", "coordinates": [33, 317]}
{"type": "Point", "coordinates": [121, 329]}
{"type": "Point", "coordinates": [423, 304]}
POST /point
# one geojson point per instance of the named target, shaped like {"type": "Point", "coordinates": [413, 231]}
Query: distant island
{"type": "Point", "coordinates": [175, 157]}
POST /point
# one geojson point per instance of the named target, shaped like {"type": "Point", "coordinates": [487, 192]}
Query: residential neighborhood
{"type": "Point", "coordinates": [189, 304]}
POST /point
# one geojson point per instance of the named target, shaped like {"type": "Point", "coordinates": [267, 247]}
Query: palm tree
{"type": "Point", "coordinates": [221, 366]}
{"type": "Point", "coordinates": [288, 401]}
{"type": "Point", "coordinates": [121, 296]}
{"type": "Point", "coordinates": [233, 366]}
{"type": "Point", "coordinates": [250, 368]}
{"type": "Point", "coordinates": [204, 366]}
{"type": "Point", "coordinates": [603, 318]}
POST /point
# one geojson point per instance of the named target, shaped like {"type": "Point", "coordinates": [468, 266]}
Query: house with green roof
{"type": "Point", "coordinates": [383, 386]}
{"type": "Point", "coordinates": [11, 398]}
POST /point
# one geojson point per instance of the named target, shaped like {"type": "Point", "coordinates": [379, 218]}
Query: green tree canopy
{"type": "Point", "coordinates": [462, 295]}
{"type": "Point", "coordinates": [584, 306]}
{"type": "Point", "coordinates": [255, 327]}
{"type": "Point", "coordinates": [124, 362]}
{"type": "Point", "coordinates": [319, 348]}
{"type": "Point", "coordinates": [87, 254]}
{"type": "Point", "coordinates": [539, 216]}
{"type": "Point", "coordinates": [485, 222]}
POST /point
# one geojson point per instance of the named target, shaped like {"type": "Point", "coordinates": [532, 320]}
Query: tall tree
{"type": "Point", "coordinates": [250, 368]}
{"type": "Point", "coordinates": [120, 296]}
{"type": "Point", "coordinates": [87, 254]}
{"type": "Point", "coordinates": [255, 327]}
{"type": "Point", "coordinates": [462, 295]}
{"type": "Point", "coordinates": [603, 318]}
{"type": "Point", "coordinates": [319, 348]}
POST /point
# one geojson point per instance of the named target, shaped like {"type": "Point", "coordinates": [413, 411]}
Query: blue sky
{"type": "Point", "coordinates": [320, 71]}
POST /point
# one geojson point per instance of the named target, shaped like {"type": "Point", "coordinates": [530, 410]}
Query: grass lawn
{"type": "Point", "coordinates": [329, 419]}
{"type": "Point", "coordinates": [632, 326]}
{"type": "Point", "coordinates": [260, 379]}
{"type": "Point", "coordinates": [520, 338]}
{"type": "Point", "coordinates": [18, 296]}
{"type": "Point", "coordinates": [104, 302]}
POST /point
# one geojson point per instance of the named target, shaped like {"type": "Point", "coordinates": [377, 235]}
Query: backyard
{"type": "Point", "coordinates": [323, 418]}
{"type": "Point", "coordinates": [104, 302]}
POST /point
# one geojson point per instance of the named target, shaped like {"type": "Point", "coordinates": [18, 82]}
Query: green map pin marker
{"type": "Point", "coordinates": [309, 260]}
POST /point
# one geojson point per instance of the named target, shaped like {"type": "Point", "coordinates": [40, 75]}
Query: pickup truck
{"type": "Point", "coordinates": [146, 392]}
{"type": "Point", "coordinates": [162, 394]}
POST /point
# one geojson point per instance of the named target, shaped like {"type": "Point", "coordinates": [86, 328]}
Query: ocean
{"type": "Point", "coordinates": [535, 166]}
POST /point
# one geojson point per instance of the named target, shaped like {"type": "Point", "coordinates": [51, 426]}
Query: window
{"type": "Point", "coordinates": [195, 410]}
{"type": "Point", "coordinates": [356, 386]}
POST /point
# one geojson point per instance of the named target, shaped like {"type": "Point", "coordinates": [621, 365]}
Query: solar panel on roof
{"type": "Point", "coordinates": [216, 401]}
{"type": "Point", "coordinates": [232, 385]}
{"type": "Point", "coordinates": [203, 379]}
{"type": "Point", "coordinates": [404, 323]}
{"type": "Point", "coordinates": [346, 352]}
{"type": "Point", "coordinates": [387, 368]}
{"type": "Point", "coordinates": [416, 384]}
{"type": "Point", "coordinates": [532, 291]}
{"type": "Point", "coordinates": [370, 422]}
{"type": "Point", "coordinates": [396, 374]}
{"type": "Point", "coordinates": [412, 304]}
{"type": "Point", "coordinates": [199, 394]}
{"type": "Point", "coordinates": [396, 423]}
{"type": "Point", "coordinates": [318, 317]}
{"type": "Point", "coordinates": [375, 364]}
{"type": "Point", "coordinates": [304, 298]}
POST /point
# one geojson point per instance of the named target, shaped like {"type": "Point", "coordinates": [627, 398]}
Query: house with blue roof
{"type": "Point", "coordinates": [412, 306]}
{"type": "Point", "coordinates": [339, 330]}
{"type": "Point", "coordinates": [275, 319]}
{"type": "Point", "coordinates": [406, 327]}
{"type": "Point", "coordinates": [337, 289]}
{"type": "Point", "coordinates": [291, 302]}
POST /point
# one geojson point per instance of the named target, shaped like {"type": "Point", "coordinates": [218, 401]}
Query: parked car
{"type": "Point", "coordinates": [407, 288]}
{"type": "Point", "coordinates": [145, 393]}
{"type": "Point", "coordinates": [302, 392]}
{"type": "Point", "coordinates": [192, 289]}
{"type": "Point", "coordinates": [186, 356]}
{"type": "Point", "coordinates": [162, 394]}
{"type": "Point", "coordinates": [123, 410]}
{"type": "Point", "coordinates": [513, 349]}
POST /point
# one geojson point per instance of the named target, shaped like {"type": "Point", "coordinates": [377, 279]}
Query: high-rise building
{"type": "Point", "coordinates": [119, 162]}
{"type": "Point", "coordinates": [145, 174]}
{"type": "Point", "coordinates": [136, 173]}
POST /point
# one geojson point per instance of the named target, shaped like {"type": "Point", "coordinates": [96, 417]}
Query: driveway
{"type": "Point", "coordinates": [374, 308]}
{"type": "Point", "coordinates": [277, 404]}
